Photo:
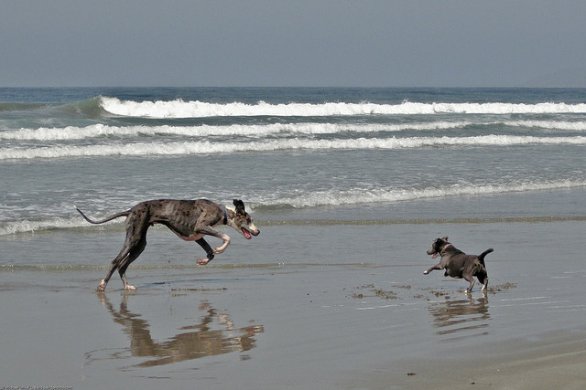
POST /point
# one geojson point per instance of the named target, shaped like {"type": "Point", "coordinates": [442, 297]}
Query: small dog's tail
{"type": "Point", "coordinates": [481, 256]}
{"type": "Point", "coordinates": [121, 214]}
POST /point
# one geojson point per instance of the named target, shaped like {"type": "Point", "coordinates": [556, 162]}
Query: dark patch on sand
{"type": "Point", "coordinates": [370, 290]}
{"type": "Point", "coordinates": [184, 291]}
{"type": "Point", "coordinates": [438, 293]}
{"type": "Point", "coordinates": [501, 287]}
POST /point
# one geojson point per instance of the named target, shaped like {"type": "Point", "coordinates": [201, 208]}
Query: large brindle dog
{"type": "Point", "coordinates": [191, 220]}
{"type": "Point", "coordinates": [457, 264]}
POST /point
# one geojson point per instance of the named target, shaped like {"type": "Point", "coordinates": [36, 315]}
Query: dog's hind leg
{"type": "Point", "coordinates": [483, 279]}
{"type": "Point", "coordinates": [471, 281]}
{"type": "Point", "coordinates": [136, 227]}
{"type": "Point", "coordinates": [135, 251]}
{"type": "Point", "coordinates": [115, 264]}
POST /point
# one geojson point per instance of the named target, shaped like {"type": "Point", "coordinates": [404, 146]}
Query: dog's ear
{"type": "Point", "coordinates": [445, 238]}
{"type": "Point", "coordinates": [239, 206]}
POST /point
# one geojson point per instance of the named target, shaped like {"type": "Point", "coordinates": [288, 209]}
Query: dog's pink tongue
{"type": "Point", "coordinates": [246, 234]}
{"type": "Point", "coordinates": [434, 255]}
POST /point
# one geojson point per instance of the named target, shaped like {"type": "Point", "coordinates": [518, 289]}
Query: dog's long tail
{"type": "Point", "coordinates": [121, 214]}
{"type": "Point", "coordinates": [481, 256]}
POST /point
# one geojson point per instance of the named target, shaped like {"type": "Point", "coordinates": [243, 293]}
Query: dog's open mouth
{"type": "Point", "coordinates": [246, 233]}
{"type": "Point", "coordinates": [249, 231]}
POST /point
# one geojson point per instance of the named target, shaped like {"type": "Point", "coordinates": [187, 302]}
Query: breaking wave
{"type": "Point", "coordinates": [198, 109]}
{"type": "Point", "coordinates": [549, 125]}
{"type": "Point", "coordinates": [26, 226]}
{"type": "Point", "coordinates": [364, 196]}
{"type": "Point", "coordinates": [312, 199]}
{"type": "Point", "coordinates": [262, 130]}
{"type": "Point", "coordinates": [99, 130]}
{"type": "Point", "coordinates": [207, 147]}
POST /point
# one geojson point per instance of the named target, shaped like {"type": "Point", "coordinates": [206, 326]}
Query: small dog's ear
{"type": "Point", "coordinates": [445, 238]}
{"type": "Point", "coordinates": [239, 206]}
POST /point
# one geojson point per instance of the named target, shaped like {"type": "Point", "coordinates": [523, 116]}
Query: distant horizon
{"type": "Point", "coordinates": [283, 87]}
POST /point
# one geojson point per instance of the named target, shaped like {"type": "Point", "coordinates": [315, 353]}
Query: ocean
{"type": "Point", "coordinates": [349, 187]}
{"type": "Point", "coordinates": [292, 153]}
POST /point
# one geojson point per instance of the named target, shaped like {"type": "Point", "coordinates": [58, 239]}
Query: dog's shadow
{"type": "Point", "coordinates": [467, 317]}
{"type": "Point", "coordinates": [192, 342]}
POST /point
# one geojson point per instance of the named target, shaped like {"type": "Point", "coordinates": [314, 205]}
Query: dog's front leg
{"type": "Point", "coordinates": [220, 249]}
{"type": "Point", "coordinates": [209, 251]}
{"type": "Point", "coordinates": [470, 286]}
{"type": "Point", "coordinates": [209, 231]}
{"type": "Point", "coordinates": [438, 266]}
{"type": "Point", "coordinates": [226, 241]}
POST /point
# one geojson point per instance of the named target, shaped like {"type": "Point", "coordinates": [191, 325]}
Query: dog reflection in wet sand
{"type": "Point", "coordinates": [457, 264]}
{"type": "Point", "coordinates": [195, 341]}
{"type": "Point", "coordinates": [460, 317]}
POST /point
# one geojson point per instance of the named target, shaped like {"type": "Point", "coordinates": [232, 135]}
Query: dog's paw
{"type": "Point", "coordinates": [101, 286]}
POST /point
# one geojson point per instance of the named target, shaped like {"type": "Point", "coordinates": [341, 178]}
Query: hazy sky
{"type": "Point", "coordinates": [293, 43]}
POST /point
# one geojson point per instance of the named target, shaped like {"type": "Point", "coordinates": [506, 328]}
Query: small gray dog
{"type": "Point", "coordinates": [458, 264]}
{"type": "Point", "coordinates": [191, 220]}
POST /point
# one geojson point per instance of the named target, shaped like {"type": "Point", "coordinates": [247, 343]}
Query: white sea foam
{"type": "Point", "coordinates": [199, 109]}
{"type": "Point", "coordinates": [26, 226]}
{"type": "Point", "coordinates": [367, 196]}
{"type": "Point", "coordinates": [207, 147]}
{"type": "Point", "coordinates": [99, 130]}
{"type": "Point", "coordinates": [550, 125]}
{"type": "Point", "coordinates": [331, 198]}
{"type": "Point", "coordinates": [72, 133]}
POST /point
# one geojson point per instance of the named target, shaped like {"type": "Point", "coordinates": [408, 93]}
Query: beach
{"type": "Point", "coordinates": [349, 187]}
{"type": "Point", "coordinates": [341, 312]}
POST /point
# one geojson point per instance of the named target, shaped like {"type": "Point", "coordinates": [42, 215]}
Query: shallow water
{"type": "Point", "coordinates": [352, 300]}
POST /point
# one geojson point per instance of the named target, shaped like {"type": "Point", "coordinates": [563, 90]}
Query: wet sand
{"type": "Point", "coordinates": [350, 311]}
{"type": "Point", "coordinates": [556, 361]}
